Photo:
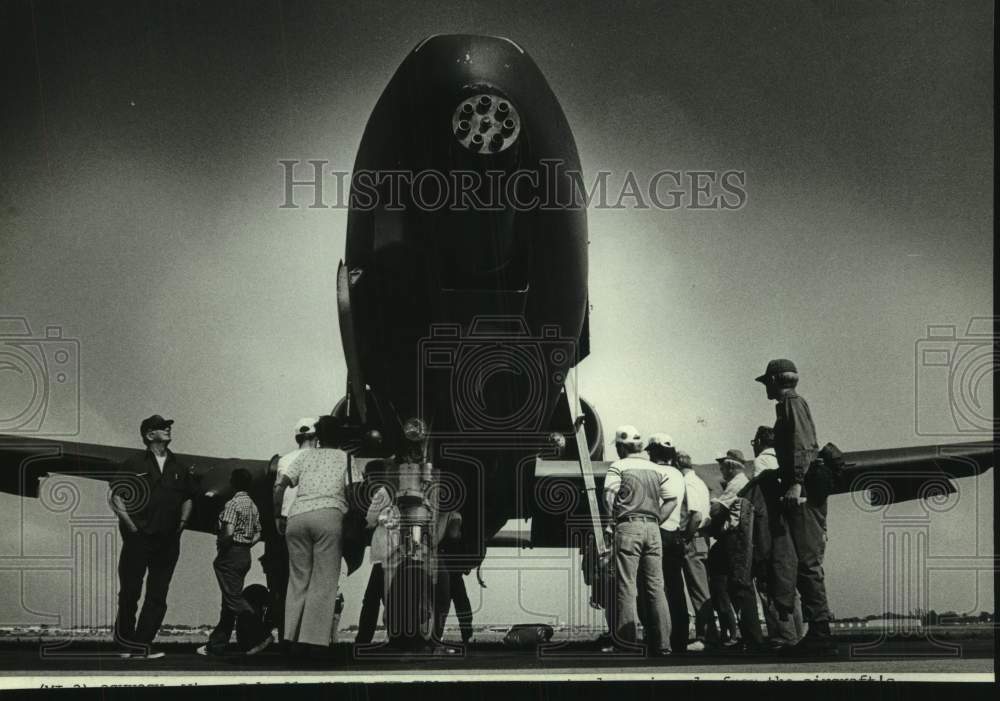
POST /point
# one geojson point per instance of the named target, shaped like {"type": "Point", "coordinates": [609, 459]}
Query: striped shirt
{"type": "Point", "coordinates": [241, 513]}
{"type": "Point", "coordinates": [637, 486]}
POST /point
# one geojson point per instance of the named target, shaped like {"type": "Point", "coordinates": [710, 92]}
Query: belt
{"type": "Point", "coordinates": [638, 517]}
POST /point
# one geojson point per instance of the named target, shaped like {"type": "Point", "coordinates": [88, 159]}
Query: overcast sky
{"type": "Point", "coordinates": [139, 210]}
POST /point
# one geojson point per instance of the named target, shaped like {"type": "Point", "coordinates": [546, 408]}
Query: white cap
{"type": "Point", "coordinates": [661, 439]}
{"type": "Point", "coordinates": [306, 426]}
{"type": "Point", "coordinates": [628, 435]}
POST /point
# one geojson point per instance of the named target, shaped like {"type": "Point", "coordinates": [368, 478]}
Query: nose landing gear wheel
{"type": "Point", "coordinates": [409, 609]}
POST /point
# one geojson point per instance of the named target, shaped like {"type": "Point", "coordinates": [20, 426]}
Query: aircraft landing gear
{"type": "Point", "coordinates": [412, 566]}
{"type": "Point", "coordinates": [409, 606]}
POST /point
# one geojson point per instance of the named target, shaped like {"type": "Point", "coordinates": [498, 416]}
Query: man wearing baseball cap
{"type": "Point", "coordinates": [731, 558]}
{"type": "Point", "coordinates": [805, 514]}
{"type": "Point", "coordinates": [661, 450]}
{"type": "Point", "coordinates": [634, 490]}
{"type": "Point", "coordinates": [733, 480]}
{"type": "Point", "coordinates": [151, 495]}
{"type": "Point", "coordinates": [304, 432]}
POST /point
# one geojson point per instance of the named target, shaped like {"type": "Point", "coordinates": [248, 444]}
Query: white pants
{"type": "Point", "coordinates": [314, 552]}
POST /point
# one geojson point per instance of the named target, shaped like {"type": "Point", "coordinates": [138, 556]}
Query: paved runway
{"type": "Point", "coordinates": [851, 660]}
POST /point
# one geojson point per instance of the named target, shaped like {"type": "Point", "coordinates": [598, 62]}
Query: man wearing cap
{"type": "Point", "coordinates": [694, 526]}
{"type": "Point", "coordinates": [796, 449]}
{"type": "Point", "coordinates": [731, 557]}
{"type": "Point", "coordinates": [151, 495]}
{"type": "Point", "coordinates": [634, 491]}
{"type": "Point", "coordinates": [276, 553]}
{"type": "Point", "coordinates": [734, 478]}
{"type": "Point", "coordinates": [662, 452]}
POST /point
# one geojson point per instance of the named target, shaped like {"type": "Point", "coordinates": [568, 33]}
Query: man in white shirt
{"type": "Point", "coordinates": [694, 524]}
{"type": "Point", "coordinates": [718, 560]}
{"type": "Point", "coordinates": [763, 449]}
{"type": "Point", "coordinates": [734, 478]}
{"type": "Point", "coordinates": [779, 632]}
{"type": "Point", "coordinates": [662, 452]}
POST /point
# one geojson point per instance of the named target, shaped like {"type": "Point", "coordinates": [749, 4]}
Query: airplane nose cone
{"type": "Point", "coordinates": [486, 124]}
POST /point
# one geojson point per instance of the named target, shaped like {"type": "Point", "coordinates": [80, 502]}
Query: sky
{"type": "Point", "coordinates": [139, 212]}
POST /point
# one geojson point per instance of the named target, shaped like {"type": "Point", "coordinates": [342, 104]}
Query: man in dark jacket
{"type": "Point", "coordinates": [803, 509]}
{"type": "Point", "coordinates": [151, 496]}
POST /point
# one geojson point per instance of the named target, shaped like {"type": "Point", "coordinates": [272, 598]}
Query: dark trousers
{"type": "Point", "coordinates": [807, 526]}
{"type": "Point", "coordinates": [275, 564]}
{"type": "Point", "coordinates": [786, 632]}
{"type": "Point", "coordinates": [370, 605]}
{"type": "Point", "coordinates": [718, 585]}
{"type": "Point", "coordinates": [143, 553]}
{"type": "Point", "coordinates": [744, 599]}
{"type": "Point", "coordinates": [451, 587]}
{"type": "Point", "coordinates": [231, 566]}
{"type": "Point", "coordinates": [673, 580]}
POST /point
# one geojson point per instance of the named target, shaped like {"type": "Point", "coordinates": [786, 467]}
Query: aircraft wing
{"type": "Point", "coordinates": [901, 474]}
{"type": "Point", "coordinates": [888, 476]}
{"type": "Point", "coordinates": [25, 462]}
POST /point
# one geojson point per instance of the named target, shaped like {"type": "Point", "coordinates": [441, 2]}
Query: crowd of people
{"type": "Point", "coordinates": [302, 560]}
{"type": "Point", "coordinates": [762, 538]}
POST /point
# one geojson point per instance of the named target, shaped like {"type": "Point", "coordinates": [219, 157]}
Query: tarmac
{"type": "Point", "coordinates": [97, 664]}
